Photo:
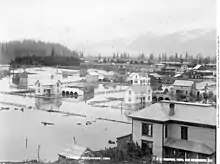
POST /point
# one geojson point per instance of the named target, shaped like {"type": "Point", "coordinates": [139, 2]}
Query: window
{"type": "Point", "coordinates": [166, 131]}
{"type": "Point", "coordinates": [149, 91]}
{"type": "Point", "coordinates": [129, 99]}
{"type": "Point", "coordinates": [147, 147]}
{"type": "Point", "coordinates": [57, 84]}
{"type": "Point", "coordinates": [38, 84]}
{"type": "Point", "coordinates": [184, 133]}
{"type": "Point", "coordinates": [186, 92]}
{"type": "Point", "coordinates": [143, 98]}
{"type": "Point", "coordinates": [148, 98]}
{"type": "Point", "coordinates": [147, 129]}
{"type": "Point", "coordinates": [57, 90]}
{"type": "Point", "coordinates": [129, 92]}
{"type": "Point", "coordinates": [38, 90]}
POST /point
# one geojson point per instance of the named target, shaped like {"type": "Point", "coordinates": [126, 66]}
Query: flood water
{"type": "Point", "coordinates": [22, 132]}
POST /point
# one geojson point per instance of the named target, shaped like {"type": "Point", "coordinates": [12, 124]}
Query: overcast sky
{"type": "Point", "coordinates": [94, 20]}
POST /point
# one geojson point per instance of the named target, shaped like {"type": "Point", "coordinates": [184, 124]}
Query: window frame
{"type": "Point", "coordinates": [166, 131]}
{"type": "Point", "coordinates": [147, 145]}
{"type": "Point", "coordinates": [184, 129]}
{"type": "Point", "coordinates": [149, 130]}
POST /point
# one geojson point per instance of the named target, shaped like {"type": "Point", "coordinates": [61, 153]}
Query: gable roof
{"type": "Point", "coordinates": [197, 66]}
{"type": "Point", "coordinates": [184, 112]}
{"type": "Point", "coordinates": [187, 83]}
{"type": "Point", "coordinates": [156, 75]}
{"type": "Point", "coordinates": [73, 151]}
{"type": "Point", "coordinates": [138, 89]}
{"type": "Point", "coordinates": [48, 82]}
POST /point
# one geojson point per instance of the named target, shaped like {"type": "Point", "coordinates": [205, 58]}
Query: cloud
{"type": "Point", "coordinates": [75, 21]}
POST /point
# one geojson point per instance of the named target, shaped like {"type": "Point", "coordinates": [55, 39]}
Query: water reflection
{"type": "Point", "coordinates": [48, 103]}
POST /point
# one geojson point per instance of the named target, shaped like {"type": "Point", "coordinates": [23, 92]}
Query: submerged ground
{"type": "Point", "coordinates": [22, 132]}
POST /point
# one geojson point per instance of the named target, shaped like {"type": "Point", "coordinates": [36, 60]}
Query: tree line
{"type": "Point", "coordinates": [28, 48]}
{"type": "Point", "coordinates": [163, 57]}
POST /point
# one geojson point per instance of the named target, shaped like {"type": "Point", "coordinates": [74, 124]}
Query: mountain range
{"type": "Point", "coordinates": [192, 41]}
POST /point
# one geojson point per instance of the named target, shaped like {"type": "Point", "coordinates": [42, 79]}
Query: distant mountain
{"type": "Point", "coordinates": [10, 50]}
{"type": "Point", "coordinates": [106, 47]}
{"type": "Point", "coordinates": [192, 41]}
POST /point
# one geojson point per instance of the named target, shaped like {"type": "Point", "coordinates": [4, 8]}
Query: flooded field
{"type": "Point", "coordinates": [22, 131]}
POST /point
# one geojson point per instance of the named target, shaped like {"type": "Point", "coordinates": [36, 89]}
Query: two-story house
{"type": "Point", "coordinates": [184, 86]}
{"type": "Point", "coordinates": [156, 81]}
{"type": "Point", "coordinates": [138, 79]}
{"type": "Point", "coordinates": [177, 130]}
{"type": "Point", "coordinates": [138, 96]}
{"type": "Point", "coordinates": [49, 88]}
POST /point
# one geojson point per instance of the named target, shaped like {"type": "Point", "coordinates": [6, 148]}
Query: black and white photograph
{"type": "Point", "coordinates": [109, 82]}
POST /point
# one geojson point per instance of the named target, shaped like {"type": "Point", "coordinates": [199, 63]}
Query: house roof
{"type": "Point", "coordinates": [197, 66]}
{"type": "Point", "coordinates": [170, 67]}
{"type": "Point", "coordinates": [139, 88]}
{"type": "Point", "coordinates": [189, 146]}
{"type": "Point", "coordinates": [178, 75]}
{"type": "Point", "coordinates": [156, 75]}
{"type": "Point", "coordinates": [73, 151]}
{"type": "Point", "coordinates": [124, 136]}
{"type": "Point", "coordinates": [152, 112]}
{"type": "Point", "coordinates": [48, 82]}
{"type": "Point", "coordinates": [187, 83]}
{"type": "Point", "coordinates": [184, 112]}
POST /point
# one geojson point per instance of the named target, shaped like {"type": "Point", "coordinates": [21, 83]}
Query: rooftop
{"type": "Point", "coordinates": [189, 146]}
{"type": "Point", "coordinates": [73, 151]}
{"type": "Point", "coordinates": [197, 66]}
{"type": "Point", "coordinates": [184, 112]}
{"type": "Point", "coordinates": [48, 82]}
{"type": "Point", "coordinates": [170, 67]}
{"type": "Point", "coordinates": [156, 75]}
{"type": "Point", "coordinates": [187, 83]}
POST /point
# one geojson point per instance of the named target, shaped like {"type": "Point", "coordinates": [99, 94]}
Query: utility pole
{"type": "Point", "coordinates": [38, 153]}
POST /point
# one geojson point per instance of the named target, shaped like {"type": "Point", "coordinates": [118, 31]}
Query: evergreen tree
{"type": "Point", "coordinates": [99, 58]}
{"type": "Point", "coordinates": [207, 60]}
{"type": "Point", "coordinates": [176, 56]}
{"type": "Point", "coordinates": [114, 56]}
{"type": "Point", "coordinates": [165, 57]}
{"type": "Point", "coordinates": [117, 56]}
{"type": "Point", "coordinates": [159, 58]}
{"type": "Point", "coordinates": [52, 52]}
{"type": "Point", "coordinates": [151, 57]}
{"type": "Point", "coordinates": [186, 57]}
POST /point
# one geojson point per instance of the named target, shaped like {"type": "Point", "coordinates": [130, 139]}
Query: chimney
{"type": "Point", "coordinates": [172, 111]}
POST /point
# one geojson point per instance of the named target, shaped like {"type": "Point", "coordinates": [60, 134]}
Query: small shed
{"type": "Point", "coordinates": [75, 154]}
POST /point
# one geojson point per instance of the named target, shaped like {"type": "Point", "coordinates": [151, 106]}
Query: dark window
{"type": "Point", "coordinates": [147, 147]}
{"type": "Point", "coordinates": [184, 133]}
{"type": "Point", "coordinates": [147, 129]}
{"type": "Point", "coordinates": [166, 131]}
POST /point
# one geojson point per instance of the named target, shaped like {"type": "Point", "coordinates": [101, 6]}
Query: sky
{"type": "Point", "coordinates": [78, 21]}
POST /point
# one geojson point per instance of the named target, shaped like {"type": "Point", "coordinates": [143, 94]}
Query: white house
{"type": "Point", "coordinates": [184, 86]}
{"type": "Point", "coordinates": [138, 79]}
{"type": "Point", "coordinates": [51, 87]}
{"type": "Point", "coordinates": [138, 96]}
{"type": "Point", "coordinates": [176, 130]}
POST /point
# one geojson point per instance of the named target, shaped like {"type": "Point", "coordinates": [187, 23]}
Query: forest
{"type": "Point", "coordinates": [29, 52]}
